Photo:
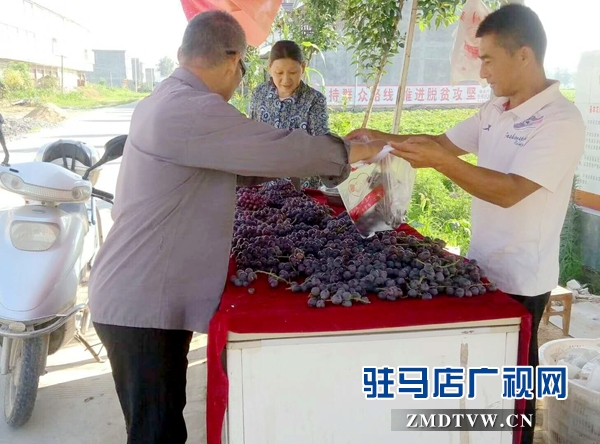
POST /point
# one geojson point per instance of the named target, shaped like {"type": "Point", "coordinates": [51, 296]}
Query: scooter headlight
{"type": "Point", "coordinates": [81, 193]}
{"type": "Point", "coordinates": [14, 183]}
{"type": "Point", "coordinates": [33, 236]}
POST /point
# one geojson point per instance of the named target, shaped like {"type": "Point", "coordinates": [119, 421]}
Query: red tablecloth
{"type": "Point", "coordinates": [280, 311]}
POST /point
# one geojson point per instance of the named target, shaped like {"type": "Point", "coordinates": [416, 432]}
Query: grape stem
{"type": "Point", "coordinates": [274, 276]}
{"type": "Point", "coordinates": [306, 281]}
{"type": "Point", "coordinates": [451, 264]}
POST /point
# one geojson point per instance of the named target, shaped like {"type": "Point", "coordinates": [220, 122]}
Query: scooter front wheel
{"type": "Point", "coordinates": [27, 362]}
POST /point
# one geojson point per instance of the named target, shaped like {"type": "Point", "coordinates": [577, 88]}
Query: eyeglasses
{"type": "Point", "coordinates": [242, 64]}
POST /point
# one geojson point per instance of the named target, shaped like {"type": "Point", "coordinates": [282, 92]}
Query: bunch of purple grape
{"type": "Point", "coordinates": [278, 191]}
{"type": "Point", "coordinates": [297, 242]}
{"type": "Point", "coordinates": [250, 199]}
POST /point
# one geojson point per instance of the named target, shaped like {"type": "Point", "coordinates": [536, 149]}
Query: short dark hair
{"type": "Point", "coordinates": [286, 49]}
{"type": "Point", "coordinates": [516, 26]}
{"type": "Point", "coordinates": [210, 36]}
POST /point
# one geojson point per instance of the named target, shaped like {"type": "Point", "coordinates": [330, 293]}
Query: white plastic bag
{"type": "Point", "coordinates": [589, 367]}
{"type": "Point", "coordinates": [593, 381]}
{"type": "Point", "coordinates": [377, 194]}
{"type": "Point", "coordinates": [464, 59]}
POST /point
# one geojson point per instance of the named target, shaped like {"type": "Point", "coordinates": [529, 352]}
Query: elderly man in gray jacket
{"type": "Point", "coordinates": [163, 268]}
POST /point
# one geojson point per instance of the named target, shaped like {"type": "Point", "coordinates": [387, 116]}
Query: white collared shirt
{"type": "Point", "coordinates": [542, 140]}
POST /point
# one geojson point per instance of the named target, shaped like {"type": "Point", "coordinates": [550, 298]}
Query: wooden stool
{"type": "Point", "coordinates": [565, 296]}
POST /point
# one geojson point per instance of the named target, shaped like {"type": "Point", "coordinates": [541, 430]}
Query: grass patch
{"type": "Point", "coordinates": [86, 97]}
{"type": "Point", "coordinates": [420, 121]}
{"type": "Point", "coordinates": [569, 94]}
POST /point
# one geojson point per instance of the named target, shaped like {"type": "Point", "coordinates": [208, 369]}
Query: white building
{"type": "Point", "coordinates": [52, 44]}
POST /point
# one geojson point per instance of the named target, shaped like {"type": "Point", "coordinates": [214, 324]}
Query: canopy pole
{"type": "Point", "coordinates": [407, 50]}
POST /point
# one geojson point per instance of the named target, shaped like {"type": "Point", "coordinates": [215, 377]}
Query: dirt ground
{"type": "Point", "coordinates": [15, 112]}
{"type": "Point", "coordinates": [18, 112]}
{"type": "Point", "coordinates": [37, 118]}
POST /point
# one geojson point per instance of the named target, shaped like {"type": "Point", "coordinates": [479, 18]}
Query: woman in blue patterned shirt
{"type": "Point", "coordinates": [287, 102]}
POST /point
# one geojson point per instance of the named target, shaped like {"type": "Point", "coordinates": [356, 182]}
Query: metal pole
{"type": "Point", "coordinates": [407, 50]}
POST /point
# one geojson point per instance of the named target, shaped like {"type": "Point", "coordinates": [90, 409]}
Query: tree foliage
{"type": "Point", "coordinates": [17, 76]}
{"type": "Point", "coordinates": [256, 68]}
{"type": "Point", "coordinates": [373, 32]}
{"type": "Point", "coordinates": [564, 76]}
{"type": "Point", "coordinates": [443, 12]}
{"type": "Point", "coordinates": [571, 254]}
{"type": "Point", "coordinates": [165, 66]}
{"type": "Point", "coordinates": [315, 23]}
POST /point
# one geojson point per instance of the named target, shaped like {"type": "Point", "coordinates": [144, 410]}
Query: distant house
{"type": "Point", "coordinates": [114, 67]}
{"type": "Point", "coordinates": [51, 43]}
{"type": "Point", "coordinates": [111, 67]}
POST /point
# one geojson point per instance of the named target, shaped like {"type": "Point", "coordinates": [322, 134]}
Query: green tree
{"type": "Point", "coordinates": [17, 76]}
{"type": "Point", "coordinates": [313, 25]}
{"type": "Point", "coordinates": [256, 68]}
{"type": "Point", "coordinates": [564, 76]}
{"type": "Point", "coordinates": [372, 31]}
{"type": "Point", "coordinates": [571, 254]}
{"type": "Point", "coordinates": [165, 66]}
{"type": "Point", "coordinates": [443, 12]}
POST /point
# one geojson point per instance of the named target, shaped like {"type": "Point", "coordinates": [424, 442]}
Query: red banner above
{"type": "Point", "coordinates": [255, 16]}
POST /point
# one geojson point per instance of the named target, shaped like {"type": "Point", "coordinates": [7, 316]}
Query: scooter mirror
{"type": "Point", "coordinates": [113, 149]}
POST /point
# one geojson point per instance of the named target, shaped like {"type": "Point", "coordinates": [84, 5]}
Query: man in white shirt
{"type": "Point", "coordinates": [528, 141]}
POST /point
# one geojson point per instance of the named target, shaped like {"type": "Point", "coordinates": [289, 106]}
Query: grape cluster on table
{"type": "Point", "coordinates": [299, 243]}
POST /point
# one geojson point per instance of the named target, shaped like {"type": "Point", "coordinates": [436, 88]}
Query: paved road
{"type": "Point", "coordinates": [77, 403]}
{"type": "Point", "coordinates": [93, 127]}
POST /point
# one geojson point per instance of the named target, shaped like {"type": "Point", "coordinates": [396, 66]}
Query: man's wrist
{"type": "Point", "coordinates": [360, 151]}
{"type": "Point", "coordinates": [376, 134]}
{"type": "Point", "coordinates": [356, 152]}
{"type": "Point", "coordinates": [446, 163]}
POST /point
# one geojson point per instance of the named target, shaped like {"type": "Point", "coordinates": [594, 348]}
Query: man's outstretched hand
{"type": "Point", "coordinates": [421, 152]}
{"type": "Point", "coordinates": [361, 151]}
